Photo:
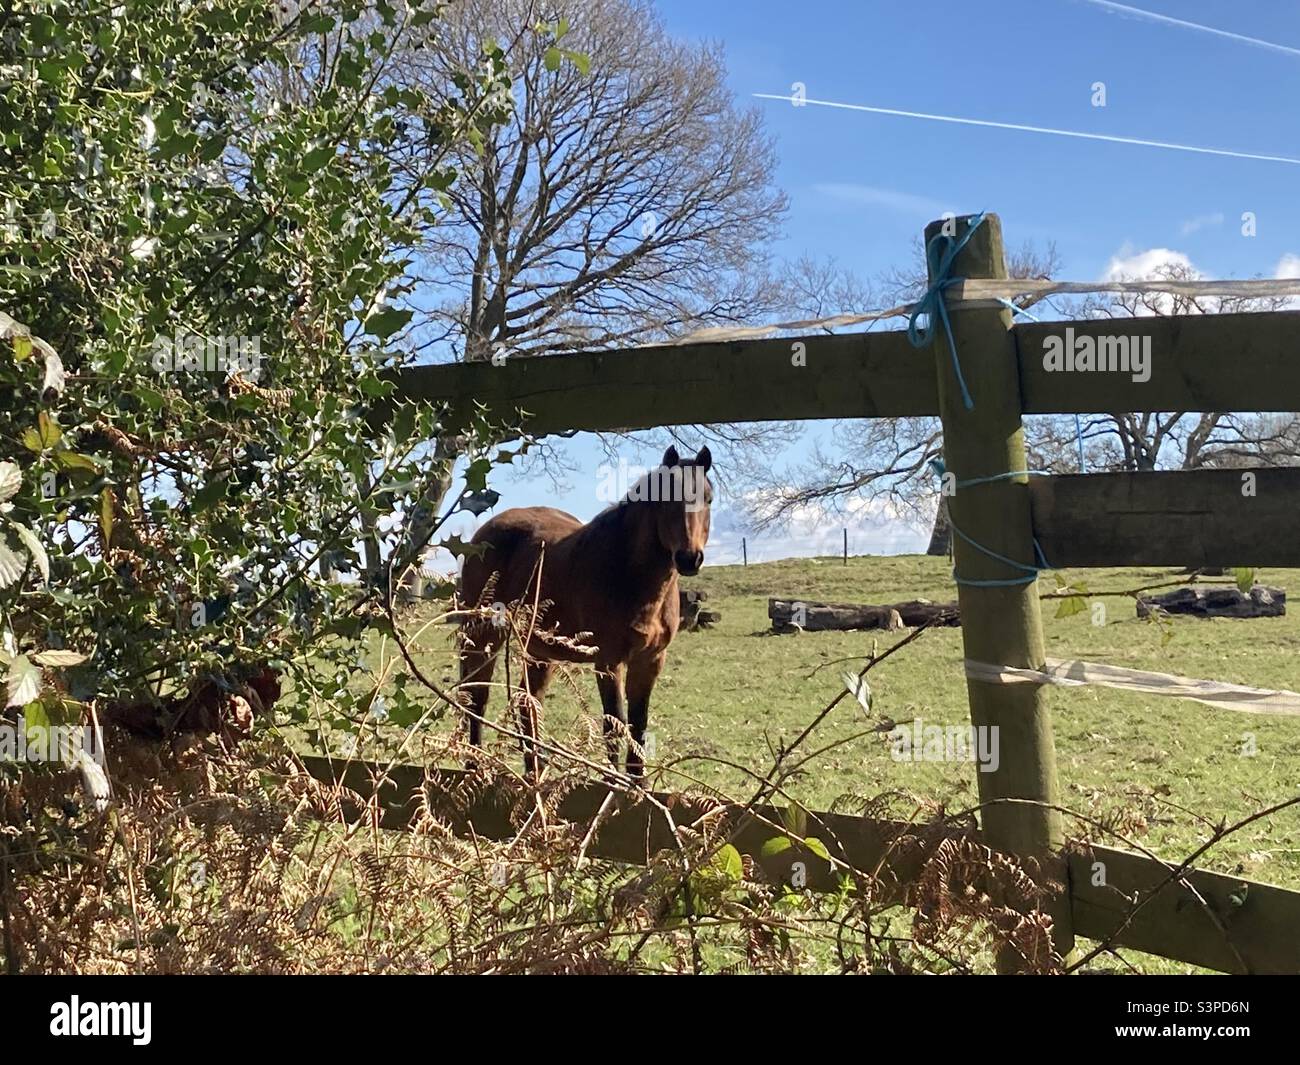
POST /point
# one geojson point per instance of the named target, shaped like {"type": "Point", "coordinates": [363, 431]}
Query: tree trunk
{"type": "Point", "coordinates": [941, 534]}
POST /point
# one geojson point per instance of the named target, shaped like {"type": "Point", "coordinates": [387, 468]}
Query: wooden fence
{"type": "Point", "coordinates": [1201, 363]}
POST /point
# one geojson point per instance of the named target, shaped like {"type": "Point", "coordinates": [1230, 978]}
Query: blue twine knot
{"type": "Point", "coordinates": [940, 254]}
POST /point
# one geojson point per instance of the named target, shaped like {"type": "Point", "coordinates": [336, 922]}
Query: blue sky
{"type": "Point", "coordinates": [862, 185]}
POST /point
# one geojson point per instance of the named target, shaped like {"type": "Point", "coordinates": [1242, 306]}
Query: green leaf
{"type": "Point", "coordinates": [552, 58]}
{"type": "Point", "coordinates": [59, 659]}
{"type": "Point", "coordinates": [817, 847]}
{"type": "Point", "coordinates": [795, 819]}
{"type": "Point", "coordinates": [774, 846]}
{"type": "Point", "coordinates": [384, 323]}
{"type": "Point", "coordinates": [73, 461]}
{"type": "Point", "coordinates": [1245, 579]}
{"type": "Point", "coordinates": [106, 514]}
{"type": "Point", "coordinates": [11, 479]}
{"type": "Point", "coordinates": [1076, 604]}
{"type": "Point", "coordinates": [580, 60]}
{"type": "Point", "coordinates": [317, 158]}
{"type": "Point", "coordinates": [33, 544]}
{"type": "Point", "coordinates": [12, 565]}
{"type": "Point", "coordinates": [728, 861]}
{"type": "Point", "coordinates": [49, 431]}
{"type": "Point", "coordinates": [23, 682]}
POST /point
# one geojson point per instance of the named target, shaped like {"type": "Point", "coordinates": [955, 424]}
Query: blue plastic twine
{"type": "Point", "coordinates": [1030, 572]}
{"type": "Point", "coordinates": [939, 256]}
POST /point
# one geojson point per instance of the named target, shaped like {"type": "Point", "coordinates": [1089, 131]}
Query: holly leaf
{"type": "Point", "coordinates": [384, 323]}
{"type": "Point", "coordinates": [477, 502]}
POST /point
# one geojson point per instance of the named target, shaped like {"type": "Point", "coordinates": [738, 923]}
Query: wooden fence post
{"type": "Point", "coordinates": [1000, 625]}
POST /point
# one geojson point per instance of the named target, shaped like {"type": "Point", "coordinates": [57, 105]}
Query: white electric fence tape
{"type": "Point", "coordinates": [1075, 673]}
{"type": "Point", "coordinates": [990, 292]}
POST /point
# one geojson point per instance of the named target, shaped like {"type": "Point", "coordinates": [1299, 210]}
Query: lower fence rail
{"type": "Point", "coordinates": [1203, 918]}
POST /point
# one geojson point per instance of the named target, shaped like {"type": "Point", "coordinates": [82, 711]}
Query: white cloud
{"type": "Point", "coordinates": [1288, 266]}
{"type": "Point", "coordinates": [1150, 265]}
{"type": "Point", "coordinates": [1202, 221]}
{"type": "Point", "coordinates": [876, 527]}
{"type": "Point", "coordinates": [1130, 265]}
{"type": "Point", "coordinates": [889, 199]}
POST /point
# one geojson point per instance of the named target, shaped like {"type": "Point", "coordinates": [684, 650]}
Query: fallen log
{"type": "Point", "coordinates": [692, 615]}
{"type": "Point", "coordinates": [1221, 601]}
{"type": "Point", "coordinates": [790, 615]}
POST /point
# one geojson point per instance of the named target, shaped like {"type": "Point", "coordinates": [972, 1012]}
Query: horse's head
{"type": "Point", "coordinates": [682, 513]}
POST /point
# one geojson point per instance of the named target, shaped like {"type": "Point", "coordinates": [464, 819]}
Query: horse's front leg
{"type": "Point", "coordinates": [642, 672]}
{"type": "Point", "coordinates": [609, 680]}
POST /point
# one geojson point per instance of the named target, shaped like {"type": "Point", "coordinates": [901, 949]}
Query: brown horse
{"type": "Point", "coordinates": [614, 578]}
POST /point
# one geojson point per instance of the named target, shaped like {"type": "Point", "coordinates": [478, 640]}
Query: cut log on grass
{"type": "Point", "coordinates": [693, 616]}
{"type": "Point", "coordinates": [791, 615]}
{"type": "Point", "coordinates": [1217, 602]}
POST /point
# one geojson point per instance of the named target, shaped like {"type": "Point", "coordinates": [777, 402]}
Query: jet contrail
{"type": "Point", "coordinates": [1035, 129]}
{"type": "Point", "coordinates": [1168, 20]}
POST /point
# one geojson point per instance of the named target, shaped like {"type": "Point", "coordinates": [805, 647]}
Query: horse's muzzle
{"type": "Point", "coordinates": [688, 563]}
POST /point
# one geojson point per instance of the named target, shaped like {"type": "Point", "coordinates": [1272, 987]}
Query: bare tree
{"type": "Point", "coordinates": [1182, 439]}
{"type": "Point", "coordinates": [876, 459]}
{"type": "Point", "coordinates": [625, 200]}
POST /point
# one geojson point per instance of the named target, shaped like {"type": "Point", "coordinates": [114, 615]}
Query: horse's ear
{"type": "Point", "coordinates": [704, 459]}
{"type": "Point", "coordinates": [671, 458]}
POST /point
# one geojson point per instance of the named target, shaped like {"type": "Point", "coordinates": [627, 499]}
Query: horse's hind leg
{"type": "Point", "coordinates": [476, 667]}
{"type": "Point", "coordinates": [642, 672]}
{"type": "Point", "coordinates": [610, 684]}
{"type": "Point", "coordinates": [538, 677]}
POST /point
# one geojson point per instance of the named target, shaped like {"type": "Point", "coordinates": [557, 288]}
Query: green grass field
{"type": "Point", "coordinates": [734, 692]}
{"type": "Point", "coordinates": [1172, 768]}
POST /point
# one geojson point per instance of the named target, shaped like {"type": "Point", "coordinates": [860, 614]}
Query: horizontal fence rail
{"type": "Point", "coordinates": [1252, 928]}
{"type": "Point", "coordinates": [865, 375]}
{"type": "Point", "coordinates": [1235, 517]}
{"type": "Point", "coordinates": [1199, 363]}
